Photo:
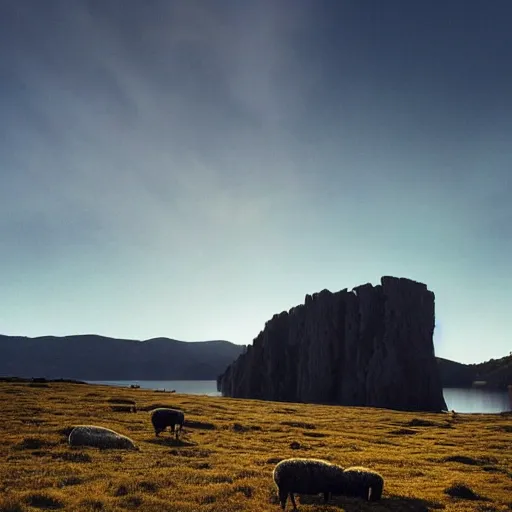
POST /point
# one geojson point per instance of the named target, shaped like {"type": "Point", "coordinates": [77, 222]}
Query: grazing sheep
{"type": "Point", "coordinates": [164, 417]}
{"type": "Point", "coordinates": [361, 482]}
{"type": "Point", "coordinates": [306, 476]}
{"type": "Point", "coordinates": [100, 437]}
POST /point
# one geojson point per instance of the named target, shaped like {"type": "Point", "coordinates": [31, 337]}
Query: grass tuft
{"type": "Point", "coordinates": [132, 502]}
{"type": "Point", "coordinates": [72, 456]}
{"type": "Point", "coordinates": [122, 490]}
{"type": "Point", "coordinates": [11, 504]}
{"type": "Point", "coordinates": [246, 490]}
{"type": "Point", "coordinates": [71, 480]}
{"type": "Point", "coordinates": [91, 505]}
{"type": "Point", "coordinates": [298, 424]}
{"type": "Point", "coordinates": [147, 486]}
{"type": "Point", "coordinates": [115, 400]}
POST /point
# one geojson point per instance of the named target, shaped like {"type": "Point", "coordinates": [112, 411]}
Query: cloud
{"type": "Point", "coordinates": [139, 121]}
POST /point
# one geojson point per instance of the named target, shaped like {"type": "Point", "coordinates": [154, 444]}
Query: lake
{"type": "Point", "coordinates": [474, 400]}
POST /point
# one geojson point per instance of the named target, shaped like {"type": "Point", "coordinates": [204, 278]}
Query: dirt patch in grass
{"type": "Point", "coordinates": [298, 424]}
{"type": "Point", "coordinates": [132, 502]}
{"type": "Point", "coordinates": [201, 465]}
{"type": "Point", "coordinates": [314, 434]}
{"type": "Point", "coordinates": [404, 432]}
{"type": "Point", "coordinates": [246, 490]}
{"type": "Point", "coordinates": [34, 443]}
{"type": "Point", "coordinates": [44, 501]}
{"type": "Point", "coordinates": [115, 400]}
{"type": "Point", "coordinates": [169, 441]}
{"type": "Point", "coordinates": [146, 486]}
{"type": "Point", "coordinates": [72, 456]}
{"type": "Point", "coordinates": [92, 505]}
{"type": "Point", "coordinates": [191, 453]}
{"type": "Point", "coordinates": [458, 490]}
{"type": "Point", "coordinates": [123, 408]}
{"type": "Point", "coordinates": [71, 480]}
{"type": "Point", "coordinates": [470, 461]}
{"type": "Point", "coordinates": [504, 428]}
{"type": "Point", "coordinates": [204, 425]}
{"type": "Point", "coordinates": [419, 422]}
{"type": "Point", "coordinates": [238, 427]}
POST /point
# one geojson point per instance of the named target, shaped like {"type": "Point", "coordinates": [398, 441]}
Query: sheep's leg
{"type": "Point", "coordinates": [326, 496]}
{"type": "Point", "coordinates": [283, 496]}
{"type": "Point", "coordinates": [293, 501]}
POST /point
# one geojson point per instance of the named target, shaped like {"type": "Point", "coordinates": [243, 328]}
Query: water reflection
{"type": "Point", "coordinates": [476, 400]}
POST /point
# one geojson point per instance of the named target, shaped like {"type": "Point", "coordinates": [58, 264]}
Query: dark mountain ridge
{"type": "Point", "coordinates": [495, 373]}
{"type": "Point", "coordinates": [94, 357]}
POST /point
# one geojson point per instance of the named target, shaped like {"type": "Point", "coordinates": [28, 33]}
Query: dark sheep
{"type": "Point", "coordinates": [306, 476]}
{"type": "Point", "coordinates": [164, 417]}
{"type": "Point", "coordinates": [359, 482]}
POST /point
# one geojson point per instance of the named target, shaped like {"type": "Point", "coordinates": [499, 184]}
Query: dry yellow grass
{"type": "Point", "coordinates": [226, 455]}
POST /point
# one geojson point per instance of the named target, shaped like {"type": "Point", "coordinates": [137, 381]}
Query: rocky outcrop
{"type": "Point", "coordinates": [371, 346]}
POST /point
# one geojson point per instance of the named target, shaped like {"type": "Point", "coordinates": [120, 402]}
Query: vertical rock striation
{"type": "Point", "coordinates": [371, 346]}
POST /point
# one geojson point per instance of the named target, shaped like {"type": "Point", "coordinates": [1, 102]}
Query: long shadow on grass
{"type": "Point", "coordinates": [170, 441]}
{"type": "Point", "coordinates": [391, 502]}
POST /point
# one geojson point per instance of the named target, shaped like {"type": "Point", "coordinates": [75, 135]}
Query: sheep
{"type": "Point", "coordinates": [306, 476]}
{"type": "Point", "coordinates": [100, 437]}
{"type": "Point", "coordinates": [361, 482]}
{"type": "Point", "coordinates": [163, 417]}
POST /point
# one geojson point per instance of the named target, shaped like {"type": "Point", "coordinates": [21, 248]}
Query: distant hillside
{"type": "Point", "coordinates": [92, 357]}
{"type": "Point", "coordinates": [496, 373]}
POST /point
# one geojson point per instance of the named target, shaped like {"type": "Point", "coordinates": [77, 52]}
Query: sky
{"type": "Point", "coordinates": [189, 168]}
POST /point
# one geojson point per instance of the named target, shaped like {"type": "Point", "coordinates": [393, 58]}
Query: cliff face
{"type": "Point", "coordinates": [371, 346]}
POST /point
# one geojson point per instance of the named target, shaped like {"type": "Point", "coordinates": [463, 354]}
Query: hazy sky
{"type": "Point", "coordinates": [189, 168]}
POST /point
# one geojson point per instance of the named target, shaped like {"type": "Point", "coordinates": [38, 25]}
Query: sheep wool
{"type": "Point", "coordinates": [362, 483]}
{"type": "Point", "coordinates": [306, 476]}
{"type": "Point", "coordinates": [162, 418]}
{"type": "Point", "coordinates": [99, 437]}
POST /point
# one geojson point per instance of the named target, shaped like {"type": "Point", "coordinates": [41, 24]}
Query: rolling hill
{"type": "Point", "coordinates": [92, 357]}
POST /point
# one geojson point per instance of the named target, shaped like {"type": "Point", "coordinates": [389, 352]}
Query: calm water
{"type": "Point", "coordinates": [457, 399]}
{"type": "Point", "coordinates": [476, 400]}
{"type": "Point", "coordinates": [191, 387]}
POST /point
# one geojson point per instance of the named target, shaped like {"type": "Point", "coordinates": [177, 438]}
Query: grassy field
{"type": "Point", "coordinates": [229, 447]}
